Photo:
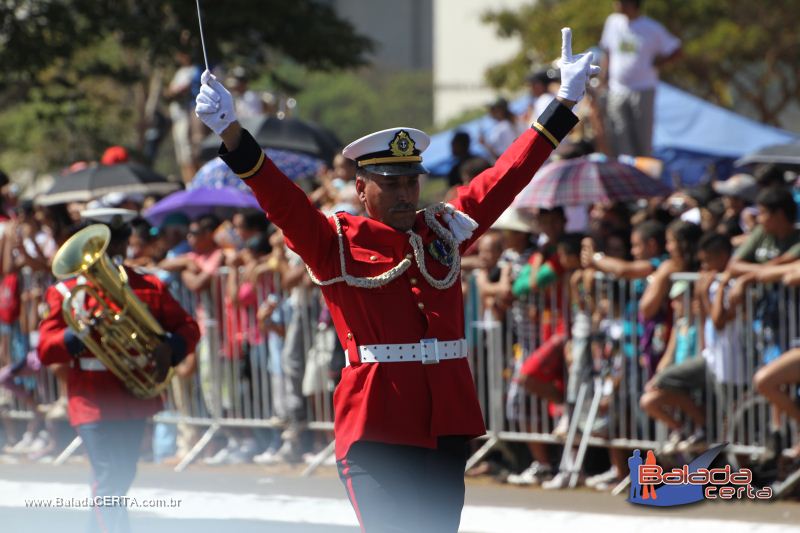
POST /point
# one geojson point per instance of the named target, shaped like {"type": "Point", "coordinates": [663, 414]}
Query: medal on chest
{"type": "Point", "coordinates": [440, 251]}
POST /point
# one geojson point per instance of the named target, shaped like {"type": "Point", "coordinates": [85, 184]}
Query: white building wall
{"type": "Point", "coordinates": [402, 30]}
{"type": "Point", "coordinates": [463, 48]}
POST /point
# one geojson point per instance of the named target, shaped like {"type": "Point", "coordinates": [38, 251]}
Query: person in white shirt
{"type": "Point", "coordinates": [247, 102]}
{"type": "Point", "coordinates": [635, 47]}
{"type": "Point", "coordinates": [503, 131]}
{"type": "Point", "coordinates": [540, 94]}
{"type": "Point", "coordinates": [180, 93]}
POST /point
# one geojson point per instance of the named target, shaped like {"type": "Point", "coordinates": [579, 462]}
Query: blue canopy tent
{"type": "Point", "coordinates": [690, 135]}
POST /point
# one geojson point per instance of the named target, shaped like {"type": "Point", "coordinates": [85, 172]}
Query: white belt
{"type": "Point", "coordinates": [91, 364]}
{"type": "Point", "coordinates": [428, 351]}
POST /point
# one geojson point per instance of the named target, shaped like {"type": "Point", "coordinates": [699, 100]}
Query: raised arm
{"type": "Point", "coordinates": [721, 310]}
{"type": "Point", "coordinates": [623, 269]}
{"type": "Point", "coordinates": [772, 270]}
{"type": "Point", "coordinates": [637, 269]}
{"type": "Point", "coordinates": [657, 290]}
{"type": "Point", "coordinates": [305, 228]}
{"type": "Point", "coordinates": [492, 191]}
{"type": "Point", "coordinates": [775, 272]}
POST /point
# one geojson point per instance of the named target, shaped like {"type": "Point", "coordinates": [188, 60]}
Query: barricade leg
{"type": "Point", "coordinates": [587, 433]}
{"type": "Point", "coordinates": [482, 452]}
{"type": "Point", "coordinates": [320, 458]}
{"type": "Point", "coordinates": [197, 448]}
{"type": "Point", "coordinates": [784, 487]}
{"type": "Point", "coordinates": [566, 464]}
{"type": "Point", "coordinates": [68, 451]}
{"type": "Point", "coordinates": [622, 485]}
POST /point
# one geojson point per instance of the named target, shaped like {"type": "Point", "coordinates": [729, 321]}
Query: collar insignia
{"type": "Point", "coordinates": [402, 145]}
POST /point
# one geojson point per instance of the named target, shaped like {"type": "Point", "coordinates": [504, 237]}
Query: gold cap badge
{"type": "Point", "coordinates": [402, 145]}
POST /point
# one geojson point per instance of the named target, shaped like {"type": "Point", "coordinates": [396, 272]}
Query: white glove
{"type": "Point", "coordinates": [575, 70]}
{"type": "Point", "coordinates": [214, 104]}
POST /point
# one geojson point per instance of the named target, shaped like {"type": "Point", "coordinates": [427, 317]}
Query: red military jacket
{"type": "Point", "coordinates": [405, 402]}
{"type": "Point", "coordinates": [99, 395]}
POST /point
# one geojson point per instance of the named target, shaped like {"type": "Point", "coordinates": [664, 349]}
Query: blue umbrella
{"type": "Point", "coordinates": [216, 174]}
{"type": "Point", "coordinates": [201, 201]}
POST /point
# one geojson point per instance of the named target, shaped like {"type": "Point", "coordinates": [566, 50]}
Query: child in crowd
{"type": "Point", "coordinates": [681, 245]}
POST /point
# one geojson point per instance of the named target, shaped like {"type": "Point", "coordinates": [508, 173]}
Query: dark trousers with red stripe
{"type": "Point", "coordinates": [396, 488]}
{"type": "Point", "coordinates": [113, 448]}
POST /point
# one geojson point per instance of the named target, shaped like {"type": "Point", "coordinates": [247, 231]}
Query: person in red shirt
{"type": "Point", "coordinates": [406, 404]}
{"type": "Point", "coordinates": [108, 418]}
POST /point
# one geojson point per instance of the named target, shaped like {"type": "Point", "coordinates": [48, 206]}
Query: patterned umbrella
{"type": "Point", "coordinates": [585, 181]}
{"type": "Point", "coordinates": [215, 174]}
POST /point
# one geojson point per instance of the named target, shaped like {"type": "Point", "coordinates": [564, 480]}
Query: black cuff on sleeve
{"type": "Point", "coordinates": [178, 345]}
{"type": "Point", "coordinates": [555, 122]}
{"type": "Point", "coordinates": [73, 342]}
{"type": "Point", "coordinates": [248, 157]}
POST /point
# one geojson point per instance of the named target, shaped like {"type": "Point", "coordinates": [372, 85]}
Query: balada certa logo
{"type": "Point", "coordinates": [654, 486]}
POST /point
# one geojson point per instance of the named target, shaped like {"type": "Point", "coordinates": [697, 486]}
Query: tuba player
{"type": "Point", "coordinates": [109, 419]}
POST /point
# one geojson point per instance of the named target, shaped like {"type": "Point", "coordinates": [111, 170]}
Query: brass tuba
{"type": "Point", "coordinates": [126, 329]}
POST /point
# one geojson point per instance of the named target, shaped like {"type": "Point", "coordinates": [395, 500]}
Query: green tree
{"type": "Point", "coordinates": [353, 104]}
{"type": "Point", "coordinates": [734, 50]}
{"type": "Point", "coordinates": [77, 73]}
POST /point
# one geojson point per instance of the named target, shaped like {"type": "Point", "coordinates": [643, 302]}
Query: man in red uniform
{"type": "Point", "coordinates": [109, 419]}
{"type": "Point", "coordinates": [406, 404]}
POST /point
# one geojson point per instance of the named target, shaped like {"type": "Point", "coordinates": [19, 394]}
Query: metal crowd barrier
{"type": "Point", "coordinates": [606, 398]}
{"type": "Point", "coordinates": [20, 338]}
{"type": "Point", "coordinates": [241, 380]}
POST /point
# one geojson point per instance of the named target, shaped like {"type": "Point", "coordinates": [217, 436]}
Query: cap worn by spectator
{"type": "Point", "coordinates": [499, 103]}
{"type": "Point", "coordinates": [742, 186]}
{"type": "Point", "coordinates": [113, 217]}
{"type": "Point", "coordinates": [114, 155]}
{"type": "Point", "coordinates": [512, 220]}
{"type": "Point", "coordinates": [678, 288]}
{"type": "Point", "coordinates": [115, 199]}
{"type": "Point", "coordinates": [391, 152]}
{"type": "Point", "coordinates": [693, 215]}
{"type": "Point", "coordinates": [543, 76]}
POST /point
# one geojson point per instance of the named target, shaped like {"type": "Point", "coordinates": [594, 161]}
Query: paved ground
{"type": "Point", "coordinates": [249, 499]}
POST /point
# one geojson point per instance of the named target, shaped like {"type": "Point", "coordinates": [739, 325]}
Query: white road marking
{"type": "Point", "coordinates": [331, 511]}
